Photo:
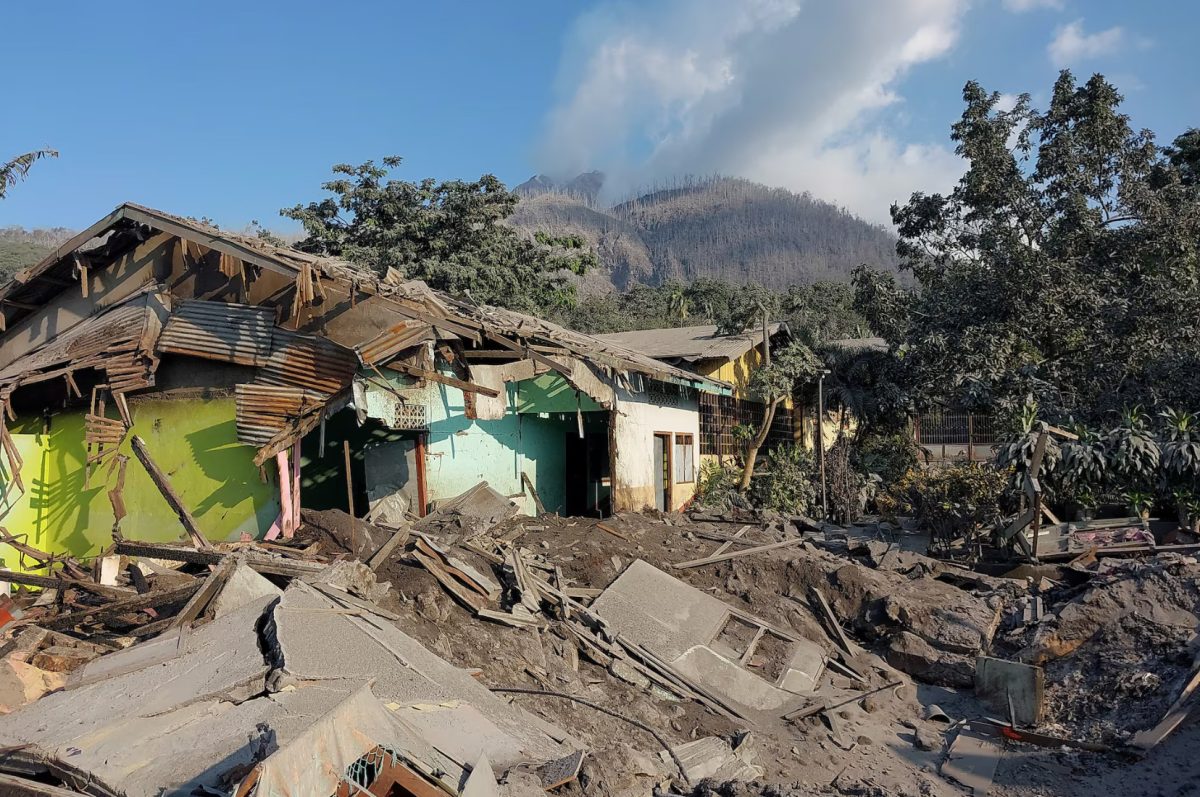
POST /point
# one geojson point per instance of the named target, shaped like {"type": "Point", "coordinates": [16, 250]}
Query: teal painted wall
{"type": "Point", "coordinates": [462, 452]}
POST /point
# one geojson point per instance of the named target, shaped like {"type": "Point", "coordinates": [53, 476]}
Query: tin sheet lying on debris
{"type": "Point", "coordinates": [757, 666]}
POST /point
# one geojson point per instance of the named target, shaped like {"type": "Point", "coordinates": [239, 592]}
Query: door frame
{"type": "Point", "coordinates": [669, 476]}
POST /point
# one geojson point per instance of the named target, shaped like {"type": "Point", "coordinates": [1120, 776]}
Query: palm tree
{"type": "Point", "coordinates": [15, 170]}
{"type": "Point", "coordinates": [679, 305]}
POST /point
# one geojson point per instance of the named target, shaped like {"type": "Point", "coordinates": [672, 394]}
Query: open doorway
{"type": "Point", "coordinates": [588, 481]}
{"type": "Point", "coordinates": [662, 471]}
{"type": "Point", "coordinates": [378, 456]}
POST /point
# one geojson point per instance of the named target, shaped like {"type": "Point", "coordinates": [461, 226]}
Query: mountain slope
{"type": "Point", "coordinates": [20, 247]}
{"type": "Point", "coordinates": [719, 227]}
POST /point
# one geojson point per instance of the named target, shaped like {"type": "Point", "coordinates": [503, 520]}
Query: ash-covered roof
{"type": "Point", "coordinates": [690, 344]}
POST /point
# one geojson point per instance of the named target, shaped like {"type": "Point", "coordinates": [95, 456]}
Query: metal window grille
{"type": "Point", "coordinates": [719, 414]}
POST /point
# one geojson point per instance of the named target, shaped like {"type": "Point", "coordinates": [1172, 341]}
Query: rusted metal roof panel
{"type": "Point", "coordinates": [393, 340]}
{"type": "Point", "coordinates": [265, 410]}
{"type": "Point", "coordinates": [308, 362]}
{"type": "Point", "coordinates": [118, 340]}
{"type": "Point", "coordinates": [234, 333]}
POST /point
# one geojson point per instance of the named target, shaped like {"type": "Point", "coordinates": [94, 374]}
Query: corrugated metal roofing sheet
{"type": "Point", "coordinates": [308, 362]}
{"type": "Point", "coordinates": [265, 410]}
{"type": "Point", "coordinates": [117, 338]}
{"type": "Point", "coordinates": [234, 333]}
{"type": "Point", "coordinates": [393, 340]}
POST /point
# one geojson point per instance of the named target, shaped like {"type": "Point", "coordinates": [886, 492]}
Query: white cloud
{"type": "Point", "coordinates": [805, 96]}
{"type": "Point", "coordinates": [1071, 44]}
{"type": "Point", "coordinates": [1021, 6]}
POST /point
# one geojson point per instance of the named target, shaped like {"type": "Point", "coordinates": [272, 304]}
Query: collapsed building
{"type": "Point", "coordinates": [249, 381]}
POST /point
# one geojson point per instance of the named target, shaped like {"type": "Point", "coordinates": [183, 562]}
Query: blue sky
{"type": "Point", "coordinates": [233, 110]}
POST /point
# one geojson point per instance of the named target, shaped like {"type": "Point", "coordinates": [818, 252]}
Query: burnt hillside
{"type": "Point", "coordinates": [717, 227]}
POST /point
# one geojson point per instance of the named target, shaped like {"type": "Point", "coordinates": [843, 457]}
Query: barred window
{"type": "Point", "coordinates": [719, 414]}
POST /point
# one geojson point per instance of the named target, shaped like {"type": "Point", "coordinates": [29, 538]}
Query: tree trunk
{"type": "Point", "coordinates": [756, 443]}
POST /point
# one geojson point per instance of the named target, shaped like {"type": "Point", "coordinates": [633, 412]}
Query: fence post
{"type": "Point", "coordinates": [970, 437]}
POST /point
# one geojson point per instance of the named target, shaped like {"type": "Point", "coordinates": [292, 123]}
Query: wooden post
{"type": "Point", "coordinates": [160, 481]}
{"type": "Point", "coordinates": [349, 479]}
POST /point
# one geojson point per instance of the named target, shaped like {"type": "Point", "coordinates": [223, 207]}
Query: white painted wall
{"type": "Point", "coordinates": [638, 416]}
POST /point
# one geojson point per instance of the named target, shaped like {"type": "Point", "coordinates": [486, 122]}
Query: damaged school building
{"type": "Point", "coordinates": [156, 362]}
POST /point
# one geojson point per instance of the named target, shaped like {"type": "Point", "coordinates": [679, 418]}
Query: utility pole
{"type": "Point", "coordinates": [821, 439]}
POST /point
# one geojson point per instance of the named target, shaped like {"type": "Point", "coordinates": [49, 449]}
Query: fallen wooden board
{"type": "Point", "coordinates": [134, 604]}
{"type": "Point", "coordinates": [469, 598]}
{"type": "Point", "coordinates": [708, 560]}
{"type": "Point", "coordinates": [725, 546]}
{"type": "Point", "coordinates": [291, 568]}
{"type": "Point", "coordinates": [168, 493]}
{"type": "Point", "coordinates": [835, 627]}
{"type": "Point", "coordinates": [385, 551]}
{"type": "Point", "coordinates": [13, 786]}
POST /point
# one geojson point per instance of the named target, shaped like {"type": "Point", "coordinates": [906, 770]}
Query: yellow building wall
{"type": "Point", "coordinates": [193, 441]}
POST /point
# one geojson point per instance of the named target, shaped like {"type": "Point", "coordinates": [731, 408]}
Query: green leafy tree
{"type": "Point", "coordinates": [450, 234]}
{"type": "Point", "coordinates": [791, 367]}
{"type": "Point", "coordinates": [1062, 268]}
{"type": "Point", "coordinates": [15, 170]}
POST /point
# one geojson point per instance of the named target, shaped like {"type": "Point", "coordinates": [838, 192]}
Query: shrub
{"type": "Point", "coordinates": [954, 502]}
{"type": "Point", "coordinates": [889, 456]}
{"type": "Point", "coordinates": [717, 485]}
{"type": "Point", "coordinates": [787, 485]}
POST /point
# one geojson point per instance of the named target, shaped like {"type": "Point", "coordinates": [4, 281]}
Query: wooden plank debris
{"type": "Point", "coordinates": [208, 591]}
{"type": "Point", "coordinates": [96, 614]}
{"type": "Point", "coordinates": [164, 486]}
{"type": "Point", "coordinates": [831, 622]}
{"type": "Point", "coordinates": [291, 568]}
{"type": "Point", "coordinates": [384, 553]}
{"type": "Point", "coordinates": [708, 560]}
{"type": "Point", "coordinates": [527, 484]}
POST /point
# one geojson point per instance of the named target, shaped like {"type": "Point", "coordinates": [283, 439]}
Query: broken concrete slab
{"type": "Point", "coordinates": [1011, 686]}
{"type": "Point", "coordinates": [972, 760]}
{"type": "Point", "coordinates": [243, 586]}
{"type": "Point", "coordinates": [316, 642]}
{"type": "Point", "coordinates": [711, 757]}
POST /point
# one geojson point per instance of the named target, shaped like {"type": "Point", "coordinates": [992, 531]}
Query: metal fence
{"type": "Point", "coordinates": [719, 414]}
{"type": "Point", "coordinates": [943, 428]}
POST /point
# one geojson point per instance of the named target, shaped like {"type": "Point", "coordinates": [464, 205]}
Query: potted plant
{"type": "Point", "coordinates": [1134, 456]}
{"type": "Point", "coordinates": [1084, 470]}
{"type": "Point", "coordinates": [1139, 503]}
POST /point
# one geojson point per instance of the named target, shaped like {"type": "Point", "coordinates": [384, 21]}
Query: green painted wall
{"type": "Point", "coordinates": [193, 441]}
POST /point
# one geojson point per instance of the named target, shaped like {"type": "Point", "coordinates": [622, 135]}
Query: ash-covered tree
{"type": "Point", "coordinates": [450, 234]}
{"type": "Point", "coordinates": [1062, 269]}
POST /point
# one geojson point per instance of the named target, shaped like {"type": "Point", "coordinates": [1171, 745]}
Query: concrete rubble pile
{"type": "Point", "coordinates": [478, 651]}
